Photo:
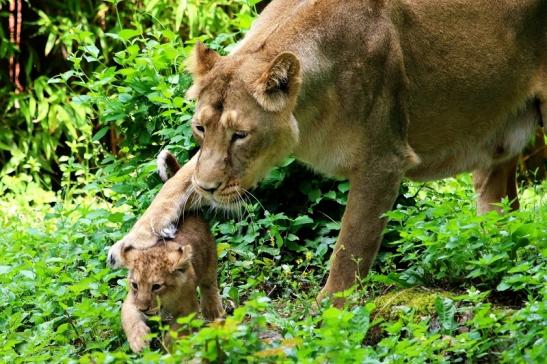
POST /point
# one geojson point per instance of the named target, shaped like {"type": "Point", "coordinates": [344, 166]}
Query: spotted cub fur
{"type": "Point", "coordinates": [163, 281]}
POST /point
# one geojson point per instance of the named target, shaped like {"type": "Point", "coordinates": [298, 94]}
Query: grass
{"type": "Point", "coordinates": [447, 286]}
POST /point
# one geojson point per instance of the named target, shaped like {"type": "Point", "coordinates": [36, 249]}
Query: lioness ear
{"type": "Point", "coordinates": [279, 83]}
{"type": "Point", "coordinates": [201, 60]}
{"type": "Point", "coordinates": [180, 256]}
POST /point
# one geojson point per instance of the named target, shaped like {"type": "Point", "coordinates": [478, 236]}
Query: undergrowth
{"type": "Point", "coordinates": [448, 286]}
{"type": "Point", "coordinates": [77, 155]}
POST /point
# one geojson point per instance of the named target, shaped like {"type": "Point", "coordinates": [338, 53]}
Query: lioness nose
{"type": "Point", "coordinates": [209, 187]}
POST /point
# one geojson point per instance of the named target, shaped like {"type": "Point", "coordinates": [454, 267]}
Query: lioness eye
{"type": "Point", "coordinates": [156, 287]}
{"type": "Point", "coordinates": [200, 128]}
{"type": "Point", "coordinates": [239, 135]}
{"type": "Point", "coordinates": [134, 285]}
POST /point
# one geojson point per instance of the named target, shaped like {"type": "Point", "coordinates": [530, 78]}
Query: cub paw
{"type": "Point", "coordinates": [212, 310]}
{"type": "Point", "coordinates": [138, 337]}
{"type": "Point", "coordinates": [114, 259]}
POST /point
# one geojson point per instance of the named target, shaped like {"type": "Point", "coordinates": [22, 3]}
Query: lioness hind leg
{"type": "Point", "coordinates": [494, 183]}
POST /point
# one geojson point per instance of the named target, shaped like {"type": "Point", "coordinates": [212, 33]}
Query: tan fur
{"type": "Point", "coordinates": [177, 267]}
{"type": "Point", "coordinates": [372, 91]}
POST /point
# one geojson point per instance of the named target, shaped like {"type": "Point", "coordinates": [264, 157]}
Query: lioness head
{"type": "Point", "coordinates": [243, 120]}
{"type": "Point", "coordinates": [158, 274]}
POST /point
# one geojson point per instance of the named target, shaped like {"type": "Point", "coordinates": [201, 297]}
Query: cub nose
{"type": "Point", "coordinates": [208, 187]}
{"type": "Point", "coordinates": [144, 308]}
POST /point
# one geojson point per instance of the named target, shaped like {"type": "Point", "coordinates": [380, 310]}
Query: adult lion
{"type": "Point", "coordinates": [369, 90]}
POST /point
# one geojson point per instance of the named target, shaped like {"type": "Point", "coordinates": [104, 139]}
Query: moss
{"type": "Point", "coordinates": [419, 299]}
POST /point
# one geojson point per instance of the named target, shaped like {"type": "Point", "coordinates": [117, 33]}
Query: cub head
{"type": "Point", "coordinates": [243, 120]}
{"type": "Point", "coordinates": [158, 274]}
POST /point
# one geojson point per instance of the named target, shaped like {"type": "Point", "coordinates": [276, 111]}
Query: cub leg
{"type": "Point", "coordinates": [371, 194]}
{"type": "Point", "coordinates": [189, 305]}
{"type": "Point", "coordinates": [210, 302]}
{"type": "Point", "coordinates": [134, 326]}
{"type": "Point", "coordinates": [494, 183]}
{"type": "Point", "coordinates": [160, 219]}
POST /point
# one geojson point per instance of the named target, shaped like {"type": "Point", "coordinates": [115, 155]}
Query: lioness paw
{"type": "Point", "coordinates": [138, 339]}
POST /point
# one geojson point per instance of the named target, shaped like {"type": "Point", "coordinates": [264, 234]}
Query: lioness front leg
{"type": "Point", "coordinates": [134, 326]}
{"type": "Point", "coordinates": [372, 193]}
{"type": "Point", "coordinates": [160, 219]}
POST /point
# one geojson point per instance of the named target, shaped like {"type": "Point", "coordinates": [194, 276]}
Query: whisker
{"type": "Point", "coordinates": [185, 198]}
{"type": "Point", "coordinates": [250, 213]}
{"type": "Point", "coordinates": [247, 192]}
{"type": "Point", "coordinates": [183, 204]}
{"type": "Point", "coordinates": [239, 205]}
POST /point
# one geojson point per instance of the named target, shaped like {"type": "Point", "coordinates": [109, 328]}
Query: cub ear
{"type": "Point", "coordinates": [167, 165]}
{"type": "Point", "coordinates": [119, 255]}
{"type": "Point", "coordinates": [180, 256]}
{"type": "Point", "coordinates": [201, 60]}
{"type": "Point", "coordinates": [279, 84]}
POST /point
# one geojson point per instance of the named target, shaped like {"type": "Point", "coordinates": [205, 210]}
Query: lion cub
{"type": "Point", "coordinates": [163, 280]}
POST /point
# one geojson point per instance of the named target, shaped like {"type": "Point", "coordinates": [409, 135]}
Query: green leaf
{"type": "Point", "coordinates": [116, 217]}
{"type": "Point", "coordinates": [66, 75]}
{"type": "Point", "coordinates": [92, 49]}
{"type": "Point", "coordinates": [127, 34]}
{"type": "Point", "coordinates": [446, 309]}
{"type": "Point", "coordinates": [302, 220]}
{"type": "Point", "coordinates": [151, 5]}
{"type": "Point", "coordinates": [101, 133]}
{"type": "Point", "coordinates": [180, 13]}
{"type": "Point", "coordinates": [49, 43]}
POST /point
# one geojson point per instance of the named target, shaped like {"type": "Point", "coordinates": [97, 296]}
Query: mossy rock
{"type": "Point", "coordinates": [421, 300]}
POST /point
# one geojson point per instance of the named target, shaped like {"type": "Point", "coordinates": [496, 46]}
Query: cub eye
{"type": "Point", "coordinates": [134, 285]}
{"type": "Point", "coordinates": [156, 287]}
{"type": "Point", "coordinates": [182, 270]}
{"type": "Point", "coordinates": [200, 128]}
{"type": "Point", "coordinates": [239, 135]}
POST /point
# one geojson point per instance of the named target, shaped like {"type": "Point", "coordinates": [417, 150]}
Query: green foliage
{"type": "Point", "coordinates": [458, 248]}
{"type": "Point", "coordinates": [119, 74]}
{"type": "Point", "coordinates": [55, 307]}
{"type": "Point", "coordinates": [447, 286]}
{"type": "Point", "coordinates": [61, 302]}
{"type": "Point", "coordinates": [39, 124]}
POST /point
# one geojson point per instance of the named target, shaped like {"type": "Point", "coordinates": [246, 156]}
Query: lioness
{"type": "Point", "coordinates": [371, 90]}
{"type": "Point", "coordinates": [163, 280]}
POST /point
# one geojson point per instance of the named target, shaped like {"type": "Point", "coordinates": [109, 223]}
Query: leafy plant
{"type": "Point", "coordinates": [78, 154]}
